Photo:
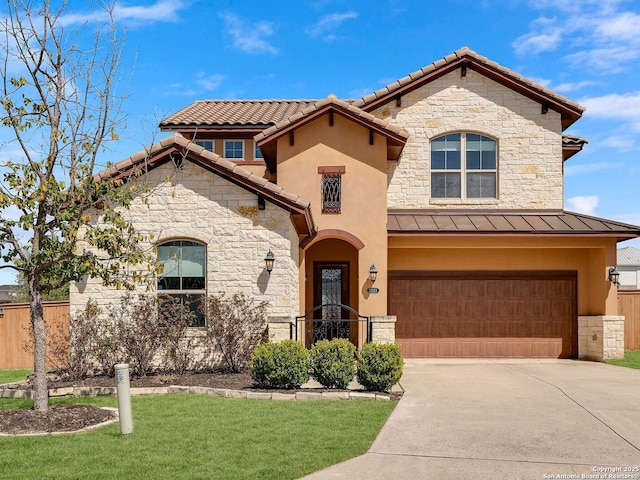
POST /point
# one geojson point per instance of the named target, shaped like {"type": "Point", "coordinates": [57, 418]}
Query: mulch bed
{"type": "Point", "coordinates": [69, 418]}
{"type": "Point", "coordinates": [59, 418]}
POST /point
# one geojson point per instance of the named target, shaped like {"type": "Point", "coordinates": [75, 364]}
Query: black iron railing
{"type": "Point", "coordinates": [332, 320]}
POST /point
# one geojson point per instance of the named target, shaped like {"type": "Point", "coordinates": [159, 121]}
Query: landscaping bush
{"type": "Point", "coordinates": [140, 329]}
{"type": "Point", "coordinates": [280, 365]}
{"type": "Point", "coordinates": [71, 346]}
{"type": "Point", "coordinates": [178, 345]}
{"type": "Point", "coordinates": [333, 362]}
{"type": "Point", "coordinates": [235, 325]}
{"type": "Point", "coordinates": [379, 366]}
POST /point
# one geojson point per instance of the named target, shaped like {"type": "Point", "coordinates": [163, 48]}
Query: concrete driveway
{"type": "Point", "coordinates": [507, 419]}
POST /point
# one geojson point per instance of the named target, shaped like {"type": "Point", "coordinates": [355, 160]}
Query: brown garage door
{"type": "Point", "coordinates": [485, 314]}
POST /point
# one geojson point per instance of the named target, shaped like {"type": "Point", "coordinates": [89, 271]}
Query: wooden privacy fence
{"type": "Point", "coordinates": [629, 306]}
{"type": "Point", "coordinates": [15, 331]}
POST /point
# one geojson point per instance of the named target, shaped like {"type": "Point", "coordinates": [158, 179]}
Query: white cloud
{"type": "Point", "coordinates": [251, 38]}
{"type": "Point", "coordinates": [161, 11]}
{"type": "Point", "coordinates": [203, 83]}
{"type": "Point", "coordinates": [616, 106]}
{"type": "Point", "coordinates": [583, 204]}
{"type": "Point", "coordinates": [545, 36]}
{"type": "Point", "coordinates": [598, 34]}
{"type": "Point", "coordinates": [623, 143]}
{"type": "Point", "coordinates": [589, 167]}
{"type": "Point", "coordinates": [625, 26]}
{"type": "Point", "coordinates": [207, 82]}
{"type": "Point", "coordinates": [328, 24]}
{"type": "Point", "coordinates": [572, 86]}
{"type": "Point", "coordinates": [609, 60]}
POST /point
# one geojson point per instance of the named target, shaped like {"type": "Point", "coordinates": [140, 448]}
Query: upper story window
{"type": "Point", "coordinates": [463, 165]}
{"type": "Point", "coordinates": [257, 154]}
{"type": "Point", "coordinates": [234, 149]}
{"type": "Point", "coordinates": [331, 188]}
{"type": "Point", "coordinates": [207, 144]}
{"type": "Point", "coordinates": [183, 274]}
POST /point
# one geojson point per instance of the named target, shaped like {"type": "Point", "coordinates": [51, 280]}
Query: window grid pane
{"type": "Point", "coordinates": [469, 154]}
{"type": "Point", "coordinates": [206, 144]}
{"type": "Point", "coordinates": [183, 275]}
{"type": "Point", "coordinates": [257, 154]}
{"type": "Point", "coordinates": [233, 149]}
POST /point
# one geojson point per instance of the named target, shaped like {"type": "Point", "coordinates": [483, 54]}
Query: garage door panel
{"type": "Point", "coordinates": [485, 317]}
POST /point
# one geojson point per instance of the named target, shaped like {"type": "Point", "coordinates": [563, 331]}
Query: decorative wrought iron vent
{"type": "Point", "coordinates": [331, 192]}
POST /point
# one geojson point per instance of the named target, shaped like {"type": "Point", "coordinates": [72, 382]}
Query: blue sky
{"type": "Point", "coordinates": [179, 51]}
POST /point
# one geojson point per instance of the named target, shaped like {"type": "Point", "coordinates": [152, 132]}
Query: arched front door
{"type": "Point", "coordinates": [331, 276]}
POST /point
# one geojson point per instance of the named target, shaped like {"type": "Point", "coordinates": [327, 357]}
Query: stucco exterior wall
{"type": "Point", "coordinates": [363, 213]}
{"type": "Point", "coordinates": [588, 257]}
{"type": "Point", "coordinates": [197, 205]}
{"type": "Point", "coordinates": [529, 142]}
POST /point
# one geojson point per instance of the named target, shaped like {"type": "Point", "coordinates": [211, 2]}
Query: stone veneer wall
{"type": "Point", "coordinates": [600, 337]}
{"type": "Point", "coordinates": [529, 143]}
{"type": "Point", "coordinates": [197, 205]}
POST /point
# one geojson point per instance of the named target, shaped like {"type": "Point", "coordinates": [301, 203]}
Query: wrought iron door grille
{"type": "Point", "coordinates": [331, 192]}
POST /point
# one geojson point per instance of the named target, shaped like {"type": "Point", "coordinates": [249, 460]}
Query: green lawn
{"type": "Point", "coordinates": [197, 436]}
{"type": "Point", "coordinates": [631, 359]}
{"type": "Point", "coordinates": [9, 376]}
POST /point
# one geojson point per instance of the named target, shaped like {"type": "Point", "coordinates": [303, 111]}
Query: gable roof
{"type": "Point", "coordinates": [505, 223]}
{"type": "Point", "coordinates": [629, 256]}
{"type": "Point", "coordinates": [467, 58]}
{"type": "Point", "coordinates": [177, 147]}
{"type": "Point", "coordinates": [267, 139]}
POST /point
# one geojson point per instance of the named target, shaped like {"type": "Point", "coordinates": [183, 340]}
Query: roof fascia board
{"type": "Point", "coordinates": [569, 113]}
{"type": "Point", "coordinates": [331, 107]}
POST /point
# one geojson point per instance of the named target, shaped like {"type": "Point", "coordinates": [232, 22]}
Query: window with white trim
{"type": "Point", "coordinates": [464, 165]}
{"type": "Point", "coordinates": [207, 144]}
{"type": "Point", "coordinates": [183, 274]}
{"type": "Point", "coordinates": [234, 149]}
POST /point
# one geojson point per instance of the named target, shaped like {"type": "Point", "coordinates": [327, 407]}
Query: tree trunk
{"type": "Point", "coordinates": [40, 391]}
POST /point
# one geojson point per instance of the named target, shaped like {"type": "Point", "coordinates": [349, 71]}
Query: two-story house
{"type": "Point", "coordinates": [433, 205]}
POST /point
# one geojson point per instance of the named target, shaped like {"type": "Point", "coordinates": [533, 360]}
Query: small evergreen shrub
{"type": "Point", "coordinates": [380, 366]}
{"type": "Point", "coordinates": [333, 362]}
{"type": "Point", "coordinates": [280, 365]}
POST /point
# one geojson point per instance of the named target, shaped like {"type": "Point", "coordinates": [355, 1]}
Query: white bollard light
{"type": "Point", "coordinates": [124, 398]}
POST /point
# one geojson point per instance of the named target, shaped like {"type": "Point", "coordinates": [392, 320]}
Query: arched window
{"type": "Point", "coordinates": [463, 165]}
{"type": "Point", "coordinates": [183, 274]}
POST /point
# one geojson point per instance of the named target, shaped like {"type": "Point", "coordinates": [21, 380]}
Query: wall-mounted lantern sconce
{"type": "Point", "coordinates": [614, 276]}
{"type": "Point", "coordinates": [268, 260]}
{"type": "Point", "coordinates": [373, 273]}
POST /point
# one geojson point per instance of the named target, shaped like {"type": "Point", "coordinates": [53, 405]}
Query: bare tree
{"type": "Point", "coordinates": [59, 105]}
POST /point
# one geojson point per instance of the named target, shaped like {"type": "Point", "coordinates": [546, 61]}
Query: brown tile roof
{"type": "Point", "coordinates": [258, 113]}
{"type": "Point", "coordinates": [165, 151]}
{"type": "Point", "coordinates": [341, 105]}
{"type": "Point", "coordinates": [571, 140]}
{"type": "Point", "coordinates": [572, 145]}
{"type": "Point", "coordinates": [267, 139]}
{"type": "Point", "coordinates": [515, 222]}
{"type": "Point", "coordinates": [570, 110]}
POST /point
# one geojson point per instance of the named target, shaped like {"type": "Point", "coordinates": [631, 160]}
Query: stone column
{"type": "Point", "coordinates": [383, 328]}
{"type": "Point", "coordinates": [600, 337]}
{"type": "Point", "coordinates": [279, 329]}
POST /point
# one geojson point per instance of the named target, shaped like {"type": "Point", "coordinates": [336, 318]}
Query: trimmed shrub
{"type": "Point", "coordinates": [380, 366]}
{"type": "Point", "coordinates": [333, 362]}
{"type": "Point", "coordinates": [280, 365]}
